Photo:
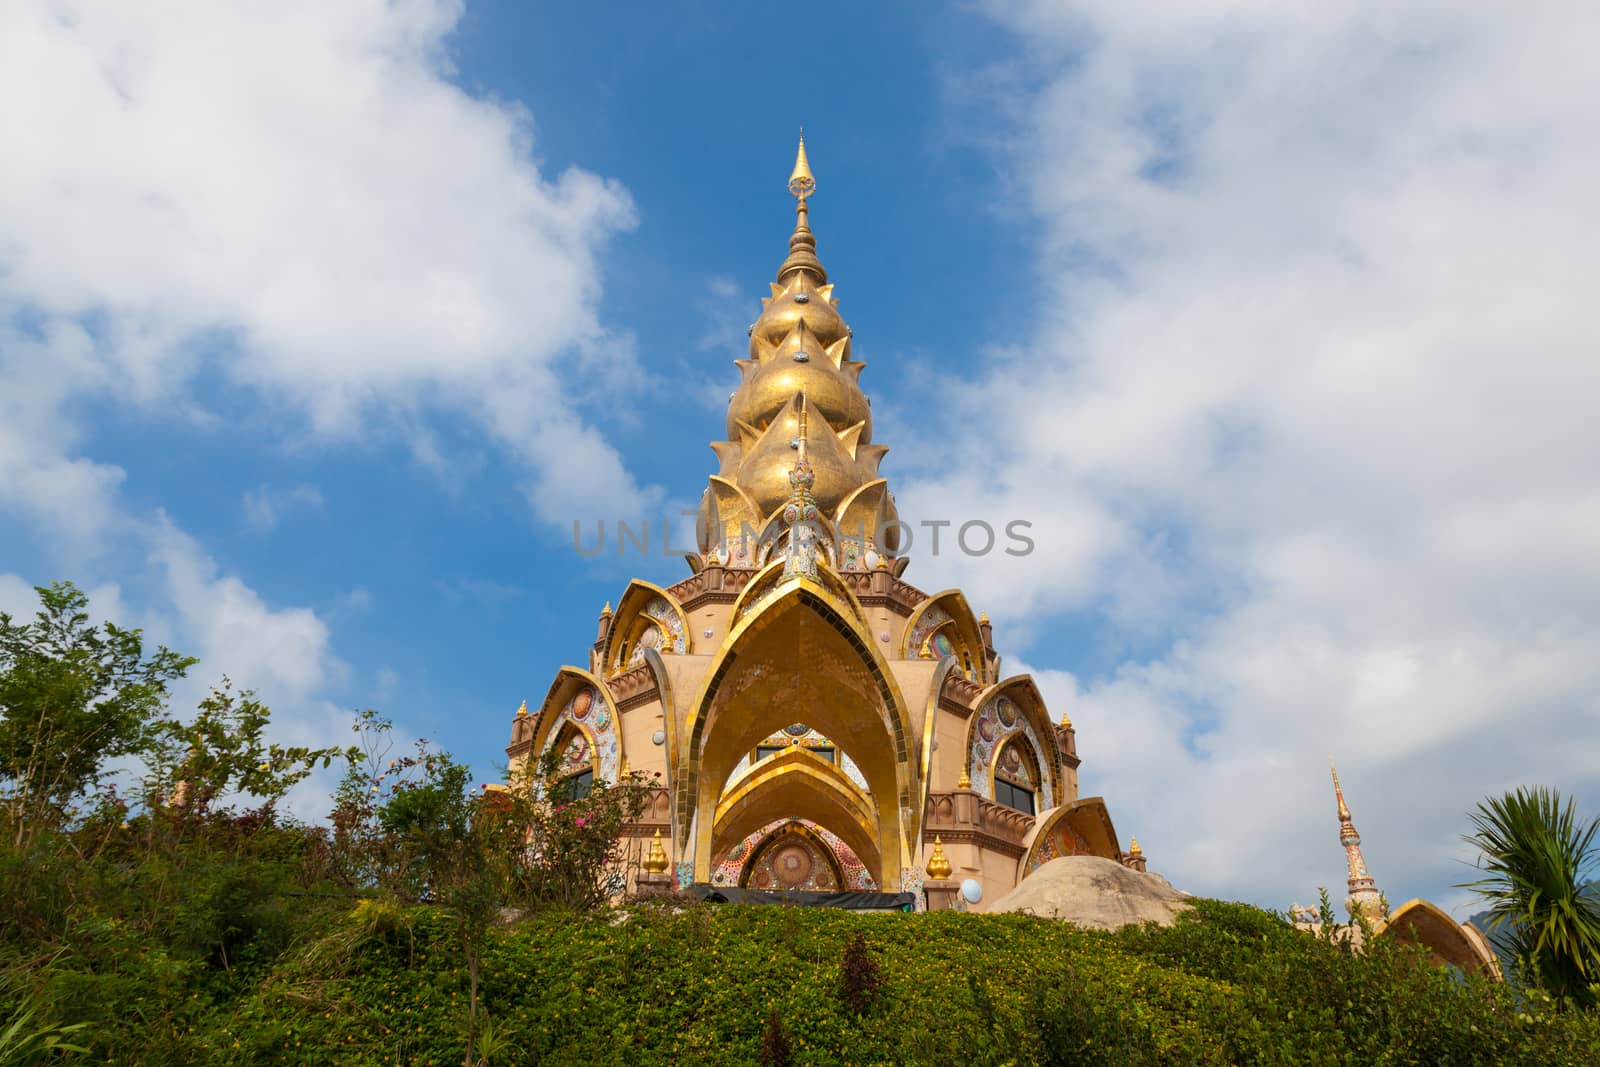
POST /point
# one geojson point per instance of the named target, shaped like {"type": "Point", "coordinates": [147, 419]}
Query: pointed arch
{"type": "Point", "coordinates": [810, 659]}
{"type": "Point", "coordinates": [946, 612]}
{"type": "Point", "coordinates": [602, 723]}
{"type": "Point", "coordinates": [645, 605]}
{"type": "Point", "coordinates": [1422, 922]}
{"type": "Point", "coordinates": [770, 576]}
{"type": "Point", "coordinates": [987, 730]}
{"type": "Point", "coordinates": [792, 831]}
{"type": "Point", "coordinates": [800, 786]}
{"type": "Point", "coordinates": [1082, 828]}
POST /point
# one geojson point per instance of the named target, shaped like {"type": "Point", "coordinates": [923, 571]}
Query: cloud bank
{"type": "Point", "coordinates": [1309, 409]}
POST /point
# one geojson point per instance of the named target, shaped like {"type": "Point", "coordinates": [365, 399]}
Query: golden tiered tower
{"type": "Point", "coordinates": [817, 723]}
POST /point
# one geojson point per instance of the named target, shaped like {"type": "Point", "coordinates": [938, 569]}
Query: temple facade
{"type": "Point", "coordinates": [818, 723]}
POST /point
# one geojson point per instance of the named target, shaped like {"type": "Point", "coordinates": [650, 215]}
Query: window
{"type": "Point", "coordinates": [1013, 796]}
{"type": "Point", "coordinates": [763, 751]}
{"type": "Point", "coordinates": [578, 785]}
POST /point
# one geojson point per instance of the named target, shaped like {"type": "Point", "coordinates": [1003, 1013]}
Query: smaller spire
{"type": "Point", "coordinates": [965, 781]}
{"type": "Point", "coordinates": [1133, 847]}
{"type": "Point", "coordinates": [938, 863]}
{"type": "Point", "coordinates": [1066, 721]}
{"type": "Point", "coordinates": [1344, 812]}
{"type": "Point", "coordinates": [607, 609]}
{"type": "Point", "coordinates": [522, 710]}
{"type": "Point", "coordinates": [983, 617]}
{"type": "Point", "coordinates": [1364, 898]}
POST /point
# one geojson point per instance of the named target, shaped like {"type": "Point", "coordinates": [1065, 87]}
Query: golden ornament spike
{"type": "Point", "coordinates": [938, 863]}
{"type": "Point", "coordinates": [1066, 721]}
{"type": "Point", "coordinates": [983, 617]}
{"type": "Point", "coordinates": [965, 781]}
{"type": "Point", "coordinates": [801, 182]}
{"type": "Point", "coordinates": [1133, 847]}
{"type": "Point", "coordinates": [522, 710]}
{"type": "Point", "coordinates": [607, 609]}
{"type": "Point", "coordinates": [1344, 812]}
{"type": "Point", "coordinates": [849, 438]}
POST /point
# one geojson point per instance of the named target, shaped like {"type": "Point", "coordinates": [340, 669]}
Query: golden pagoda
{"type": "Point", "coordinates": [817, 723]}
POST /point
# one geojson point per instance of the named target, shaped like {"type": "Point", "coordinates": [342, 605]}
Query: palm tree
{"type": "Point", "coordinates": [1534, 858]}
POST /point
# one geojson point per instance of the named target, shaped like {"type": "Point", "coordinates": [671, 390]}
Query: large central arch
{"type": "Point", "coordinates": [801, 654]}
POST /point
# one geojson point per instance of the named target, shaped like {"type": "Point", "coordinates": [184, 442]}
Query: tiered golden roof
{"type": "Point", "coordinates": [799, 346]}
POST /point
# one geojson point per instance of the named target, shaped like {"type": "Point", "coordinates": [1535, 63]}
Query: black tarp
{"type": "Point", "coordinates": [712, 894]}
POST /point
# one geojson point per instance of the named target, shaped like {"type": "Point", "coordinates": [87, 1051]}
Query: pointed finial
{"type": "Point", "coordinates": [607, 609]}
{"type": "Point", "coordinates": [623, 770]}
{"type": "Point", "coordinates": [802, 243]}
{"type": "Point", "coordinates": [983, 617]}
{"type": "Point", "coordinates": [965, 781]}
{"type": "Point", "coordinates": [1066, 721]}
{"type": "Point", "coordinates": [938, 863]}
{"type": "Point", "coordinates": [801, 183]}
{"type": "Point", "coordinates": [1344, 812]}
{"type": "Point", "coordinates": [522, 710]}
{"type": "Point", "coordinates": [1133, 847]}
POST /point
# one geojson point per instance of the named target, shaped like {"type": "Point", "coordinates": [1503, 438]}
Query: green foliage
{"type": "Point", "coordinates": [1535, 855]}
{"type": "Point", "coordinates": [72, 697]}
{"type": "Point", "coordinates": [190, 929]}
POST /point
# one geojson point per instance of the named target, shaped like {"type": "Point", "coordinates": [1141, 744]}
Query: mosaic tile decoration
{"type": "Point", "coordinates": [587, 711]}
{"type": "Point", "coordinates": [1062, 840]}
{"type": "Point", "coordinates": [931, 620]}
{"type": "Point", "coordinates": [997, 723]}
{"type": "Point", "coordinates": [728, 868]}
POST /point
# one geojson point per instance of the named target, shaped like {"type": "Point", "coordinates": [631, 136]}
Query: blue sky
{"type": "Point", "coordinates": [319, 327]}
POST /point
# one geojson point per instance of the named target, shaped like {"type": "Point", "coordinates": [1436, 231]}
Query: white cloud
{"type": "Point", "coordinates": [1312, 396]}
{"type": "Point", "coordinates": [297, 198]}
{"type": "Point", "coordinates": [265, 507]}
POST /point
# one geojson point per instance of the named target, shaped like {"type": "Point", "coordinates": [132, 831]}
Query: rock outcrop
{"type": "Point", "coordinates": [1095, 893]}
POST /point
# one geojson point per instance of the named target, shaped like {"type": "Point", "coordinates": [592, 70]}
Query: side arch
{"type": "Point", "coordinates": [641, 607]}
{"type": "Point", "coordinates": [946, 610]}
{"type": "Point", "coordinates": [1421, 922]}
{"type": "Point", "coordinates": [1082, 828]}
{"type": "Point", "coordinates": [987, 730]}
{"type": "Point", "coordinates": [564, 702]}
{"type": "Point", "coordinates": [929, 721]}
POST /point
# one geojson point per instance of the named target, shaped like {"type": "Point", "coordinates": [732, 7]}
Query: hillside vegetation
{"type": "Point", "coordinates": [183, 920]}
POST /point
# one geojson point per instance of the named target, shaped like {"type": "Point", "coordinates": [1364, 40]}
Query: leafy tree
{"type": "Point", "coordinates": [224, 751]}
{"type": "Point", "coordinates": [1535, 854]}
{"type": "Point", "coordinates": [73, 696]}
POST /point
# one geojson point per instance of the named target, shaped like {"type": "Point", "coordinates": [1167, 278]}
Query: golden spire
{"type": "Point", "coordinates": [965, 781]}
{"type": "Point", "coordinates": [522, 710]}
{"type": "Point", "coordinates": [1344, 812]}
{"type": "Point", "coordinates": [983, 617]}
{"type": "Point", "coordinates": [1133, 847]}
{"type": "Point", "coordinates": [607, 609]}
{"type": "Point", "coordinates": [938, 863]}
{"type": "Point", "coordinates": [801, 183]}
{"type": "Point", "coordinates": [655, 861]}
{"type": "Point", "coordinates": [1066, 721]}
{"type": "Point", "coordinates": [802, 244]}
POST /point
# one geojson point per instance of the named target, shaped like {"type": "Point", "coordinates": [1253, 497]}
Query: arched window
{"type": "Point", "coordinates": [1016, 775]}
{"type": "Point", "coordinates": [579, 761]}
